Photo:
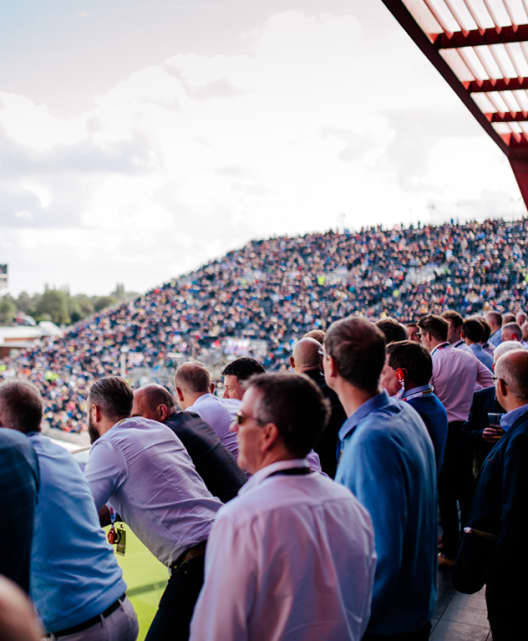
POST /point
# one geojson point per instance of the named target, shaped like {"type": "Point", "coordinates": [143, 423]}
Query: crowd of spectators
{"type": "Point", "coordinates": [277, 289]}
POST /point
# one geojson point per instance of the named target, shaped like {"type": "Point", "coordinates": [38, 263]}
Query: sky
{"type": "Point", "coordinates": [139, 140]}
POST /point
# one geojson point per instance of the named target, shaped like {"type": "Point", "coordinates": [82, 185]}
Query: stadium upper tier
{"type": "Point", "coordinates": [275, 290]}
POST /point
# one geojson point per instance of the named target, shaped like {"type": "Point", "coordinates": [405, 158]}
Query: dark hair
{"type": "Point", "coordinates": [435, 325]}
{"type": "Point", "coordinates": [358, 349]}
{"type": "Point", "coordinates": [194, 376]}
{"type": "Point", "coordinates": [243, 368]}
{"type": "Point", "coordinates": [486, 329]}
{"type": "Point", "coordinates": [513, 327]}
{"type": "Point", "coordinates": [113, 395]}
{"type": "Point", "coordinates": [497, 318]}
{"type": "Point", "coordinates": [20, 406]}
{"type": "Point", "coordinates": [453, 317]}
{"type": "Point", "coordinates": [392, 330]}
{"type": "Point", "coordinates": [295, 405]}
{"type": "Point", "coordinates": [413, 358]}
{"type": "Point", "coordinates": [472, 329]}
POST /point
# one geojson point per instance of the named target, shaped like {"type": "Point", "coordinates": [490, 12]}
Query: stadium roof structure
{"type": "Point", "coordinates": [480, 47]}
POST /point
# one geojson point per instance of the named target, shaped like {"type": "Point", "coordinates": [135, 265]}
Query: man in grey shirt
{"type": "Point", "coordinates": [141, 468]}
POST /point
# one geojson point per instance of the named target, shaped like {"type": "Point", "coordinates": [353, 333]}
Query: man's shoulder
{"type": "Point", "coordinates": [283, 494]}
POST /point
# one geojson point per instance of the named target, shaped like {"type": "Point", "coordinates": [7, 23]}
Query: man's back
{"type": "Point", "coordinates": [74, 573]}
{"type": "Point", "coordinates": [19, 483]}
{"type": "Point", "coordinates": [299, 551]}
{"type": "Point", "coordinates": [388, 463]}
{"type": "Point", "coordinates": [456, 373]}
{"type": "Point", "coordinates": [145, 471]}
{"type": "Point", "coordinates": [213, 462]}
{"type": "Point", "coordinates": [434, 415]}
{"type": "Point", "coordinates": [219, 414]}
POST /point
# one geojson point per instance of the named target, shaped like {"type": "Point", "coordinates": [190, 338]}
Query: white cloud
{"type": "Point", "coordinates": [204, 152]}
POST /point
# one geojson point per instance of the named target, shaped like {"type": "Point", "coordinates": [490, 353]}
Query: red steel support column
{"type": "Point", "coordinates": [520, 171]}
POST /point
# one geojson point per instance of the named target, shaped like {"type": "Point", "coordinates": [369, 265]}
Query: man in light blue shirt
{"type": "Point", "coordinates": [76, 583]}
{"type": "Point", "coordinates": [473, 333]}
{"type": "Point", "coordinates": [194, 393]}
{"type": "Point", "coordinates": [387, 460]}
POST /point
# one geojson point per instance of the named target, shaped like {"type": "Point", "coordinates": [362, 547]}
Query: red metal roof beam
{"type": "Point", "coordinates": [496, 84]}
{"type": "Point", "coordinates": [507, 116]}
{"type": "Point", "coordinates": [475, 38]}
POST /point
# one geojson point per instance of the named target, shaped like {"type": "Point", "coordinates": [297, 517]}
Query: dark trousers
{"type": "Point", "coordinates": [455, 487]}
{"type": "Point", "coordinates": [175, 610]}
{"type": "Point", "coordinates": [506, 611]}
{"type": "Point", "coordinates": [418, 635]}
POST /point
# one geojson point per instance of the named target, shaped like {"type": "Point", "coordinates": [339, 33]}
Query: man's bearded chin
{"type": "Point", "coordinates": [92, 432]}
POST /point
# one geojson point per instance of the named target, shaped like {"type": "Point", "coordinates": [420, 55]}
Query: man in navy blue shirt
{"type": "Point", "coordinates": [19, 476]}
{"type": "Point", "coordinates": [387, 461]}
{"type": "Point", "coordinates": [493, 549]}
{"type": "Point", "coordinates": [408, 370]}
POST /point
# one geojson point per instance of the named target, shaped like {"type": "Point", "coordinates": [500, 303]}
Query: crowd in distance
{"type": "Point", "coordinates": [275, 290]}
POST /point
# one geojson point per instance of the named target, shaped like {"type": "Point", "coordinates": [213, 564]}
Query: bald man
{"type": "Point", "coordinates": [307, 359]}
{"type": "Point", "coordinates": [194, 391]}
{"type": "Point", "coordinates": [493, 549]}
{"type": "Point", "coordinates": [212, 461]}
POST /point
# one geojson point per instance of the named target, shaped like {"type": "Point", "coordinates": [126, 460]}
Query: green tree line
{"type": "Point", "coordinates": [58, 305]}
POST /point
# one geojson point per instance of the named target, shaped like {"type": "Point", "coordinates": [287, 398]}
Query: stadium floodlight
{"type": "Point", "coordinates": [480, 47]}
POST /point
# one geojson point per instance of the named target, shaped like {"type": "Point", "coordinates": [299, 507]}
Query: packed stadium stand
{"type": "Point", "coordinates": [270, 292]}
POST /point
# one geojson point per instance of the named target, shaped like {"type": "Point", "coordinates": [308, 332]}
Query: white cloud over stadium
{"type": "Point", "coordinates": [309, 120]}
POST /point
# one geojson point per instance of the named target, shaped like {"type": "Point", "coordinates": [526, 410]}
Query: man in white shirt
{"type": "Point", "coordinates": [194, 392]}
{"type": "Point", "coordinates": [292, 557]}
{"type": "Point", "coordinates": [143, 470]}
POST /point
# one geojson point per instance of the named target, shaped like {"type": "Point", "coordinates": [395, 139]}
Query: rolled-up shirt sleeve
{"type": "Point", "coordinates": [106, 471]}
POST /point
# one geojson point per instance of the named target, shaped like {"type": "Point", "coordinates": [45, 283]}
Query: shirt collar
{"type": "Point", "coordinates": [440, 346]}
{"type": "Point", "coordinates": [508, 419]}
{"type": "Point", "coordinates": [373, 403]}
{"type": "Point", "coordinates": [263, 473]}
{"type": "Point", "coordinates": [416, 390]}
{"type": "Point", "coordinates": [201, 398]}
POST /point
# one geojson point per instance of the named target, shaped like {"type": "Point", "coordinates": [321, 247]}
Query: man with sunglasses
{"type": "Point", "coordinates": [281, 555]}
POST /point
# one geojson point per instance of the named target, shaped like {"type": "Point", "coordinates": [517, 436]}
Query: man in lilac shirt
{"type": "Point", "coordinates": [194, 393]}
{"type": "Point", "coordinates": [456, 376]}
{"type": "Point", "coordinates": [293, 556]}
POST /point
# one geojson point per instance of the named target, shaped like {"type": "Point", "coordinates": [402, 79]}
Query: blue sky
{"type": "Point", "coordinates": [138, 140]}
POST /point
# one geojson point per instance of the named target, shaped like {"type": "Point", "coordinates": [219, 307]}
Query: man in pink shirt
{"type": "Point", "coordinates": [457, 374]}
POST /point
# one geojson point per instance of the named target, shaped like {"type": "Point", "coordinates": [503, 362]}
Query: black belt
{"type": "Point", "coordinates": [88, 624]}
{"type": "Point", "coordinates": [190, 553]}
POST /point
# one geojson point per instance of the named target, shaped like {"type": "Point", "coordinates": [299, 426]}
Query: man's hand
{"type": "Point", "coordinates": [492, 434]}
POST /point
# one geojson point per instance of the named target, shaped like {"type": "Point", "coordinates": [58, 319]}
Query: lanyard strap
{"type": "Point", "coordinates": [291, 471]}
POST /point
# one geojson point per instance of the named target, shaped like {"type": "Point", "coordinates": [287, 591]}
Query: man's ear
{"type": "Point", "coordinates": [211, 388]}
{"type": "Point", "coordinates": [292, 362]}
{"type": "Point", "coordinates": [502, 387]}
{"type": "Point", "coordinates": [331, 366]}
{"type": "Point", "coordinates": [98, 413]}
{"type": "Point", "coordinates": [179, 393]}
{"type": "Point", "coordinates": [163, 412]}
{"type": "Point", "coordinates": [270, 437]}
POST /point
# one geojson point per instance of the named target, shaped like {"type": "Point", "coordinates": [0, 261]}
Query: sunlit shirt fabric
{"type": "Point", "coordinates": [484, 357]}
{"type": "Point", "coordinates": [220, 414]}
{"type": "Point", "coordinates": [74, 572]}
{"type": "Point", "coordinates": [143, 470]}
{"type": "Point", "coordinates": [290, 559]}
{"type": "Point", "coordinates": [457, 374]}
{"type": "Point", "coordinates": [388, 463]}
